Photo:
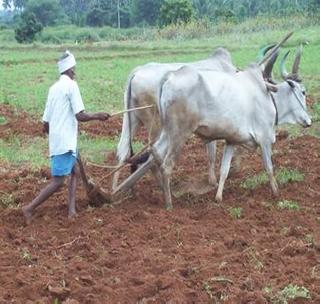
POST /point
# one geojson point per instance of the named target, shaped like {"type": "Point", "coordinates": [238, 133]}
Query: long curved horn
{"type": "Point", "coordinates": [263, 51]}
{"type": "Point", "coordinates": [269, 66]}
{"type": "Point", "coordinates": [283, 70]}
{"type": "Point", "coordinates": [295, 67]}
{"type": "Point", "coordinates": [269, 54]}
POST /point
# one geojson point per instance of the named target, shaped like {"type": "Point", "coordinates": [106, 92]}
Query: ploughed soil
{"type": "Point", "coordinates": [135, 251]}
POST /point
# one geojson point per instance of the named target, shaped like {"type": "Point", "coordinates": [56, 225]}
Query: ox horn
{"type": "Point", "coordinates": [283, 70]}
{"type": "Point", "coordinates": [295, 67]}
{"type": "Point", "coordinates": [269, 66]}
{"type": "Point", "coordinates": [275, 49]}
{"type": "Point", "coordinates": [263, 51]}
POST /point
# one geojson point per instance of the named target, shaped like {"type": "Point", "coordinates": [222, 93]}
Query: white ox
{"type": "Point", "coordinates": [238, 108]}
{"type": "Point", "coordinates": [143, 88]}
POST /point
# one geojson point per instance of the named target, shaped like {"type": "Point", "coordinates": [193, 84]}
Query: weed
{"type": "Point", "coordinates": [26, 255]}
{"type": "Point", "coordinates": [3, 120]}
{"type": "Point", "coordinates": [7, 200]}
{"type": "Point", "coordinates": [289, 205]}
{"type": "Point", "coordinates": [235, 212]}
{"type": "Point", "coordinates": [283, 176]}
{"type": "Point", "coordinates": [290, 292]}
{"type": "Point", "coordinates": [254, 181]}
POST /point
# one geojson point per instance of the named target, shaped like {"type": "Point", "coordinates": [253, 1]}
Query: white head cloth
{"type": "Point", "coordinates": [66, 62]}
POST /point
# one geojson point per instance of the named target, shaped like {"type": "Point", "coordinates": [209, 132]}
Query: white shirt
{"type": "Point", "coordinates": [63, 103]}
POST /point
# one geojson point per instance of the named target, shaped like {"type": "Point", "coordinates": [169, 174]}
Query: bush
{"type": "Point", "coordinates": [175, 11]}
{"type": "Point", "coordinates": [87, 36]}
{"type": "Point", "coordinates": [27, 28]}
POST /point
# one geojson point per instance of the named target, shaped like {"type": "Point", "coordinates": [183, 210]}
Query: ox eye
{"type": "Point", "coordinates": [304, 93]}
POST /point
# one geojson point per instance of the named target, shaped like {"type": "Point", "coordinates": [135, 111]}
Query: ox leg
{"type": "Point", "coordinates": [266, 155]}
{"type": "Point", "coordinates": [167, 168]}
{"type": "Point", "coordinates": [224, 170]}
{"type": "Point", "coordinates": [212, 150]}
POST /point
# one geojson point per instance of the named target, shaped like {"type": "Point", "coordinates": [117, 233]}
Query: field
{"type": "Point", "coordinates": [252, 248]}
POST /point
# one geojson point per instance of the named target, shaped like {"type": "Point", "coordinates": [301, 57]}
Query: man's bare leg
{"type": "Point", "coordinates": [55, 183]}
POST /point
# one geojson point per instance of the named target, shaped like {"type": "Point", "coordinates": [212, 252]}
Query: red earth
{"type": "Point", "coordinates": [137, 252]}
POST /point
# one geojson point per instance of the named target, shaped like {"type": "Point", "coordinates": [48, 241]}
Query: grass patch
{"type": "Point", "coordinates": [287, 204]}
{"type": "Point", "coordinates": [27, 151]}
{"type": "Point", "coordinates": [3, 120]}
{"type": "Point", "coordinates": [33, 152]}
{"type": "Point", "coordinates": [236, 212]}
{"type": "Point", "coordinates": [103, 66]}
{"type": "Point", "coordinates": [288, 293]}
{"type": "Point", "coordinates": [283, 176]}
{"type": "Point", "coordinates": [96, 149]}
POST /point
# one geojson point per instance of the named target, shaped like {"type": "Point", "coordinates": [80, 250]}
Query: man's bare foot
{"type": "Point", "coordinates": [27, 214]}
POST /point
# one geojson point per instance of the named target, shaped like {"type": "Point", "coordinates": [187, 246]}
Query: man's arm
{"type": "Point", "coordinates": [83, 116]}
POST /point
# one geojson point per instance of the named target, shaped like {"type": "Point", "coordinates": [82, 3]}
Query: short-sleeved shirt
{"type": "Point", "coordinates": [63, 103]}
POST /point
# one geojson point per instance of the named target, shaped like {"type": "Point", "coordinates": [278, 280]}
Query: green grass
{"type": "Point", "coordinates": [26, 152]}
{"type": "Point", "coordinates": [3, 120]}
{"type": "Point", "coordinates": [287, 294]}
{"type": "Point", "coordinates": [103, 67]}
{"type": "Point", "coordinates": [283, 176]}
{"type": "Point", "coordinates": [33, 152]}
{"type": "Point", "coordinates": [236, 212]}
{"type": "Point", "coordinates": [288, 205]}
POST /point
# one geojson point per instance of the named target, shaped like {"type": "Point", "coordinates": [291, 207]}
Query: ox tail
{"type": "Point", "coordinates": [161, 106]}
{"type": "Point", "coordinates": [124, 149]}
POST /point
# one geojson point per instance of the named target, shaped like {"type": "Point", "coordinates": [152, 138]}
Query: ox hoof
{"type": "Point", "coordinates": [169, 207]}
{"type": "Point", "coordinates": [219, 198]}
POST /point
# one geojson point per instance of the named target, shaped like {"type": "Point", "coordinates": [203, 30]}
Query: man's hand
{"type": "Point", "coordinates": [103, 116]}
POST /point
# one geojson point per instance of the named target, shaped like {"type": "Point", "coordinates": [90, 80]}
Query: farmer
{"type": "Point", "coordinates": [64, 108]}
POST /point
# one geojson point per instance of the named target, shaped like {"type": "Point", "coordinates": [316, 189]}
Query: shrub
{"type": "Point", "coordinates": [27, 28]}
{"type": "Point", "coordinates": [175, 11]}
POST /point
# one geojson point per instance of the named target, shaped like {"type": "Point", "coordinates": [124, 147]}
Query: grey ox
{"type": "Point", "coordinates": [143, 89]}
{"type": "Point", "coordinates": [242, 108]}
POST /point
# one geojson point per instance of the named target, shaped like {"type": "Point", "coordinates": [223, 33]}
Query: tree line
{"type": "Point", "coordinates": [129, 13]}
{"type": "Point", "coordinates": [29, 16]}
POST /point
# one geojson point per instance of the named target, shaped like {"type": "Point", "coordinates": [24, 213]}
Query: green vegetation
{"type": "Point", "coordinates": [129, 13]}
{"type": "Point", "coordinates": [289, 292]}
{"type": "Point", "coordinates": [30, 151]}
{"type": "Point", "coordinates": [3, 120]}
{"type": "Point", "coordinates": [236, 212]}
{"type": "Point", "coordinates": [289, 205]}
{"type": "Point", "coordinates": [283, 176]}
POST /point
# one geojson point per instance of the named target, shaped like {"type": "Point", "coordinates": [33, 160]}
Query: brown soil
{"type": "Point", "coordinates": [137, 252]}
